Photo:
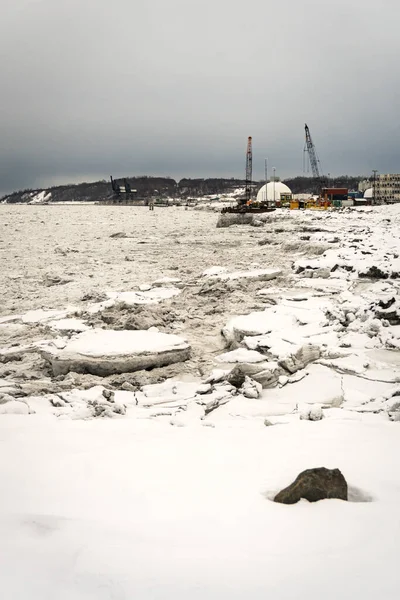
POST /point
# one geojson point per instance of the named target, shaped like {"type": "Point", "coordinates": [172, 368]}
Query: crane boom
{"type": "Point", "coordinates": [312, 154]}
{"type": "Point", "coordinates": [249, 169]}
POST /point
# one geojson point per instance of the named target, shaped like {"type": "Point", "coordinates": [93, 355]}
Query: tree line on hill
{"type": "Point", "coordinates": [309, 185]}
{"type": "Point", "coordinates": [166, 187]}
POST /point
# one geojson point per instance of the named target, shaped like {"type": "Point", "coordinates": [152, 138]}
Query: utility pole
{"type": "Point", "coordinates": [274, 185]}
{"type": "Point", "coordinates": [374, 186]}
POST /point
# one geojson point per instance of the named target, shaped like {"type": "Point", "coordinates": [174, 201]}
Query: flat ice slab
{"type": "Point", "coordinates": [152, 296]}
{"type": "Point", "coordinates": [257, 274]}
{"type": "Point", "coordinates": [104, 352]}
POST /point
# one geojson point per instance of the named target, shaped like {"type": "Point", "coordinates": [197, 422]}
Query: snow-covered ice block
{"type": "Point", "coordinates": [14, 407]}
{"type": "Point", "coordinates": [285, 319]}
{"type": "Point", "coordinates": [251, 388]}
{"type": "Point", "coordinates": [256, 323]}
{"type": "Point", "coordinates": [241, 355]}
{"type": "Point", "coordinates": [168, 391]}
{"type": "Point", "coordinates": [69, 325]}
{"type": "Point", "coordinates": [42, 316]}
{"type": "Point", "coordinates": [257, 274]}
{"type": "Point", "coordinates": [299, 358]}
{"type": "Point", "coordinates": [321, 386]}
{"type": "Point", "coordinates": [214, 271]}
{"type": "Point", "coordinates": [152, 296]}
{"type": "Point", "coordinates": [266, 373]}
{"type": "Point", "coordinates": [334, 286]}
{"type": "Point", "coordinates": [104, 352]}
{"type": "Point", "coordinates": [10, 318]}
{"type": "Point", "coordinates": [166, 281]}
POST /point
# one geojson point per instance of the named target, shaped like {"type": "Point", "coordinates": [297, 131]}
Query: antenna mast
{"type": "Point", "coordinates": [249, 169]}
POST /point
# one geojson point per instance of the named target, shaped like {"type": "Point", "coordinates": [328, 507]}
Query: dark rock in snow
{"type": "Point", "coordinates": [313, 485]}
{"type": "Point", "coordinates": [374, 273]}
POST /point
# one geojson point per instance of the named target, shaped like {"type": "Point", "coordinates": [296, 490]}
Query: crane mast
{"type": "Point", "coordinates": [310, 148]}
{"type": "Point", "coordinates": [249, 169]}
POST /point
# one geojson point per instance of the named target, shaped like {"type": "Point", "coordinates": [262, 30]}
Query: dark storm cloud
{"type": "Point", "coordinates": [93, 87]}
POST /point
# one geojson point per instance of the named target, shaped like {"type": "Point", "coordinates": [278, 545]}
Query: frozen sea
{"type": "Point", "coordinates": [159, 483]}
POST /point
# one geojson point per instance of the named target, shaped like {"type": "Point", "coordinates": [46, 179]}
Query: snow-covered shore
{"type": "Point", "coordinates": [157, 483]}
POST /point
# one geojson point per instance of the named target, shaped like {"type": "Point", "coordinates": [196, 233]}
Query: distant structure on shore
{"type": "Point", "coordinates": [386, 189]}
{"type": "Point", "coordinates": [274, 191]}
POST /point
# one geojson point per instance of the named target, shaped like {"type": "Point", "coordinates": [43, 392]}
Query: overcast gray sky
{"type": "Point", "coordinates": [91, 88]}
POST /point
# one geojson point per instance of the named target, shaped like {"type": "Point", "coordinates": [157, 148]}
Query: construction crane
{"type": "Point", "coordinates": [249, 170]}
{"type": "Point", "coordinates": [244, 205]}
{"type": "Point", "coordinates": [314, 160]}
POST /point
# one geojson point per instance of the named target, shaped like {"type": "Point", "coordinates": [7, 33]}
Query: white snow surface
{"type": "Point", "coordinates": [143, 509]}
{"type": "Point", "coordinates": [160, 484]}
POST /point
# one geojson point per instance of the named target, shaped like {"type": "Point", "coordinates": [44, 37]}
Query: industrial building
{"type": "Point", "coordinates": [386, 189]}
{"type": "Point", "coordinates": [334, 194]}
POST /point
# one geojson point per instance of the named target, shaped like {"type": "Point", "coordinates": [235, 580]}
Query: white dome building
{"type": "Point", "coordinates": [369, 193]}
{"type": "Point", "coordinates": [274, 191]}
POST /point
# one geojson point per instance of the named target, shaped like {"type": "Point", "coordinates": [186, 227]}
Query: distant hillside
{"type": "Point", "coordinates": [98, 190]}
{"type": "Point", "coordinates": [159, 187]}
{"type": "Point", "coordinates": [162, 187]}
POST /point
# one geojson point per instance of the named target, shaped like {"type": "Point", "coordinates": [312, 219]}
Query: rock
{"type": "Point", "coordinates": [313, 485]}
{"type": "Point", "coordinates": [106, 352]}
{"type": "Point", "coordinates": [257, 223]}
{"type": "Point", "coordinates": [251, 388]}
{"type": "Point", "coordinates": [119, 234]}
